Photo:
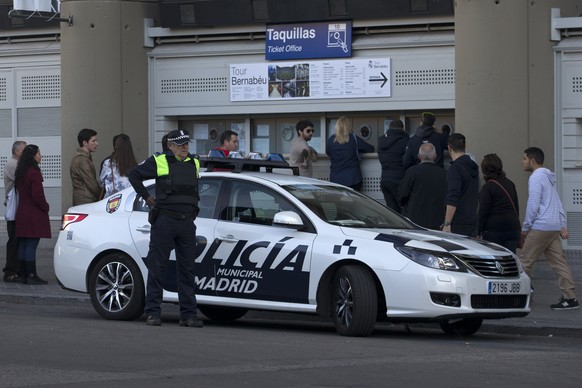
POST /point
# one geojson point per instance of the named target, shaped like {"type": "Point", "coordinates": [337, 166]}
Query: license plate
{"type": "Point", "coordinates": [503, 288]}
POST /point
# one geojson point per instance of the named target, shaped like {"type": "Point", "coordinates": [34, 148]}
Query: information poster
{"type": "Point", "coordinates": [354, 78]}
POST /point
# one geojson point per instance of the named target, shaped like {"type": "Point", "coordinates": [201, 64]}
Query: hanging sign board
{"type": "Point", "coordinates": [308, 40]}
{"type": "Point", "coordinates": [353, 78]}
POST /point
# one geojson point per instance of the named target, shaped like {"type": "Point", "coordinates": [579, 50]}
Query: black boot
{"type": "Point", "coordinates": [22, 271]}
{"type": "Point", "coordinates": [32, 277]}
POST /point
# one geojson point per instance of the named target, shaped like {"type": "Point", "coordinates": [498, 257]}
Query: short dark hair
{"type": "Point", "coordinates": [396, 124]}
{"type": "Point", "coordinates": [535, 153]}
{"type": "Point", "coordinates": [302, 124]}
{"type": "Point", "coordinates": [226, 135]}
{"type": "Point", "coordinates": [85, 134]}
{"type": "Point", "coordinates": [492, 167]}
{"type": "Point", "coordinates": [428, 119]}
{"type": "Point", "coordinates": [457, 142]}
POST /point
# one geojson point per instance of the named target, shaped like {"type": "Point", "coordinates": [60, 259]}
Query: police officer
{"type": "Point", "coordinates": [172, 215]}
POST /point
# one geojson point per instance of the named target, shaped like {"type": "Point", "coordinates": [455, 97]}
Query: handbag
{"type": "Point", "coordinates": [521, 237]}
{"type": "Point", "coordinates": [12, 204]}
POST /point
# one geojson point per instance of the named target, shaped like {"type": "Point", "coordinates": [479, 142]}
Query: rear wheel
{"type": "Point", "coordinates": [224, 314]}
{"type": "Point", "coordinates": [354, 301]}
{"type": "Point", "coordinates": [461, 327]}
{"type": "Point", "coordinates": [116, 288]}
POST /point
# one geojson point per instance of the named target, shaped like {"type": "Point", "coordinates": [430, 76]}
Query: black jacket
{"type": "Point", "coordinates": [463, 190]}
{"type": "Point", "coordinates": [422, 194]}
{"type": "Point", "coordinates": [391, 148]}
{"type": "Point", "coordinates": [424, 134]}
{"type": "Point", "coordinates": [498, 208]}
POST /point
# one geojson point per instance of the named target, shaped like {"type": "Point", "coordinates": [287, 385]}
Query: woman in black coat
{"type": "Point", "coordinates": [498, 205]}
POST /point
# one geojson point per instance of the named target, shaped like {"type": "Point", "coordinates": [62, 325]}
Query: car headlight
{"type": "Point", "coordinates": [431, 259]}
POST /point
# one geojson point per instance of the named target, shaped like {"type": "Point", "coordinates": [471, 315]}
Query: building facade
{"type": "Point", "coordinates": [146, 67]}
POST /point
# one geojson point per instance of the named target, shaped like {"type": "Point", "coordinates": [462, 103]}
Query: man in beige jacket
{"type": "Point", "coordinates": [86, 187]}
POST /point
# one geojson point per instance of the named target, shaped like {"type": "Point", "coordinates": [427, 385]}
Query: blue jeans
{"type": "Point", "coordinates": [27, 248]}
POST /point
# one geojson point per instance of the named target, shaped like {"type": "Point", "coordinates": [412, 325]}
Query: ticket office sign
{"type": "Point", "coordinates": [308, 40]}
{"type": "Point", "coordinates": [351, 78]}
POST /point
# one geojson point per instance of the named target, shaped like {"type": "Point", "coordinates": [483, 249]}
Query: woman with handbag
{"type": "Point", "coordinates": [498, 206]}
{"type": "Point", "coordinates": [114, 170]}
{"type": "Point", "coordinates": [32, 215]}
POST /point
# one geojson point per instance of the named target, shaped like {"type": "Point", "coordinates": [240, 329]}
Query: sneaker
{"type": "Point", "coordinates": [35, 280]}
{"type": "Point", "coordinates": [12, 278]}
{"type": "Point", "coordinates": [565, 304]}
{"type": "Point", "coordinates": [191, 322]}
{"type": "Point", "coordinates": [153, 320]}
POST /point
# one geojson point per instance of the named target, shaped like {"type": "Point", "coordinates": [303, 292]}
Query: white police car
{"type": "Point", "coordinates": [276, 241]}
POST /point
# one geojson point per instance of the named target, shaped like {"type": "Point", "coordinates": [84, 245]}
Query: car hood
{"type": "Point", "coordinates": [430, 240]}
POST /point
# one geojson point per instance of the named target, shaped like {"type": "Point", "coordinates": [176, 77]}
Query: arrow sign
{"type": "Point", "coordinates": [378, 79]}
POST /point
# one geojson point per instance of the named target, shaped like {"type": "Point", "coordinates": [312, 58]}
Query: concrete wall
{"type": "Point", "coordinates": [104, 77]}
{"type": "Point", "coordinates": [504, 73]}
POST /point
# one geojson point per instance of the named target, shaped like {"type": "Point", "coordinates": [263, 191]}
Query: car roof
{"type": "Point", "coordinates": [278, 172]}
{"type": "Point", "coordinates": [281, 179]}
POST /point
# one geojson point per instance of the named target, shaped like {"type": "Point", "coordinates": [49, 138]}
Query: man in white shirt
{"type": "Point", "coordinates": [12, 267]}
{"type": "Point", "coordinates": [544, 225]}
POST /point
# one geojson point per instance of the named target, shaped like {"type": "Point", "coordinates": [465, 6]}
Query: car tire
{"type": "Point", "coordinates": [354, 301]}
{"type": "Point", "coordinates": [116, 288]}
{"type": "Point", "coordinates": [223, 314]}
{"type": "Point", "coordinates": [462, 327]}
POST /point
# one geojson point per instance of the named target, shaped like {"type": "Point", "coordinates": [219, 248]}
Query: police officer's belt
{"type": "Point", "coordinates": [176, 215]}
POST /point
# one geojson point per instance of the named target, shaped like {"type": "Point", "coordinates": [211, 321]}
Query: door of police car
{"type": "Point", "coordinates": [251, 258]}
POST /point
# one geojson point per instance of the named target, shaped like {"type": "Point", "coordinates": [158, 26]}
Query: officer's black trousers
{"type": "Point", "coordinates": [167, 234]}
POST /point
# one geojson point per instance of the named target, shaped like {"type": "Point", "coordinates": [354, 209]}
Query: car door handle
{"type": "Point", "coordinates": [228, 238]}
{"type": "Point", "coordinates": [145, 229]}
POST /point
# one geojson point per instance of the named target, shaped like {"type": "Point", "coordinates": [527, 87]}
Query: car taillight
{"type": "Point", "coordinates": [71, 218]}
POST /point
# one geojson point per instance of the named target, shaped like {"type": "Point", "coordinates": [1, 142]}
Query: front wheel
{"type": "Point", "coordinates": [462, 327]}
{"type": "Point", "coordinates": [354, 301]}
{"type": "Point", "coordinates": [116, 288]}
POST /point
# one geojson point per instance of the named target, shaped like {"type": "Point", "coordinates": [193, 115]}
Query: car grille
{"type": "Point", "coordinates": [498, 301]}
{"type": "Point", "coordinates": [496, 267]}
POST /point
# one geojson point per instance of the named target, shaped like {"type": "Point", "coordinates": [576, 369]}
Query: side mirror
{"type": "Point", "coordinates": [288, 219]}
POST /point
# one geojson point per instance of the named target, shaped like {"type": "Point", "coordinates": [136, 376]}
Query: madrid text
{"type": "Point", "coordinates": [240, 268]}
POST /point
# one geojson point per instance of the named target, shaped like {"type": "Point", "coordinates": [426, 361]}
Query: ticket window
{"type": "Point", "coordinates": [276, 135]}
{"type": "Point", "coordinates": [205, 134]}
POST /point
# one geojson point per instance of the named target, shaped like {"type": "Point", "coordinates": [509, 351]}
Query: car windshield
{"type": "Point", "coordinates": [345, 207]}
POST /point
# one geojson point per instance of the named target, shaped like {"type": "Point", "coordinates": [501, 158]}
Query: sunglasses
{"type": "Point", "coordinates": [308, 130]}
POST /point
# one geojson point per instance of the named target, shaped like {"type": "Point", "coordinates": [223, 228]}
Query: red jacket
{"type": "Point", "coordinates": [32, 215]}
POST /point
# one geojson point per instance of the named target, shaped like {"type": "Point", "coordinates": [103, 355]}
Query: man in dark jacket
{"type": "Point", "coordinates": [422, 190]}
{"type": "Point", "coordinates": [426, 133]}
{"type": "Point", "coordinates": [462, 190]}
{"type": "Point", "coordinates": [391, 147]}
{"type": "Point", "coordinates": [172, 215]}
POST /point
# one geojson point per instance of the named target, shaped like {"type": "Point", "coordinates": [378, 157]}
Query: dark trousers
{"type": "Point", "coordinates": [469, 230]}
{"type": "Point", "coordinates": [357, 186]}
{"type": "Point", "coordinates": [27, 254]}
{"type": "Point", "coordinates": [168, 234]}
{"type": "Point", "coordinates": [11, 267]}
{"type": "Point", "coordinates": [507, 239]}
{"type": "Point", "coordinates": [390, 191]}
